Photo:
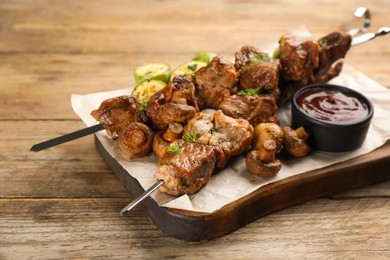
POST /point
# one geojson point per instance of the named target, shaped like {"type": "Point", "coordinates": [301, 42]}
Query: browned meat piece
{"type": "Point", "coordinates": [232, 136]}
{"type": "Point", "coordinates": [227, 135]}
{"type": "Point", "coordinates": [215, 82]}
{"type": "Point", "coordinates": [186, 167]}
{"type": "Point", "coordinates": [175, 113]}
{"type": "Point", "coordinates": [175, 103]}
{"type": "Point", "coordinates": [115, 113]}
{"type": "Point", "coordinates": [298, 59]}
{"type": "Point", "coordinates": [202, 124]}
{"type": "Point", "coordinates": [255, 108]}
{"type": "Point", "coordinates": [256, 69]}
{"type": "Point", "coordinates": [334, 47]}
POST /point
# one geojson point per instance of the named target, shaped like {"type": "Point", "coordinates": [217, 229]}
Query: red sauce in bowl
{"type": "Point", "coordinates": [332, 106]}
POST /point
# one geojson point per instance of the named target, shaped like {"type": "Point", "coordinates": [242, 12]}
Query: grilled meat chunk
{"type": "Point", "coordinates": [311, 65]}
{"type": "Point", "coordinates": [175, 103]}
{"type": "Point", "coordinates": [227, 135]}
{"type": "Point", "coordinates": [186, 168]}
{"type": "Point", "coordinates": [255, 108]}
{"type": "Point", "coordinates": [256, 69]}
{"type": "Point", "coordinates": [115, 113]}
{"type": "Point", "coordinates": [334, 47]}
{"type": "Point", "coordinates": [298, 59]}
{"type": "Point", "coordinates": [231, 136]}
{"type": "Point", "coordinates": [215, 82]}
{"type": "Point", "coordinates": [201, 127]}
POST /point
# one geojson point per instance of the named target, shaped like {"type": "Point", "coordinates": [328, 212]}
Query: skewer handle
{"type": "Point", "coordinates": [66, 138]}
{"type": "Point", "coordinates": [369, 36]}
{"type": "Point", "coordinates": [141, 198]}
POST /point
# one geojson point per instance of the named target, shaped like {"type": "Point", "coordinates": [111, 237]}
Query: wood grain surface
{"type": "Point", "coordinates": [64, 202]}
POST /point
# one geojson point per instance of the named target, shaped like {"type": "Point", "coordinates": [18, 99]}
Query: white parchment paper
{"type": "Point", "coordinates": [234, 181]}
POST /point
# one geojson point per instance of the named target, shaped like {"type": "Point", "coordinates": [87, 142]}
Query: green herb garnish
{"type": "Point", "coordinates": [235, 169]}
{"type": "Point", "coordinates": [259, 58]}
{"type": "Point", "coordinates": [249, 91]}
{"type": "Point", "coordinates": [168, 163]}
{"type": "Point", "coordinates": [322, 43]}
{"type": "Point", "coordinates": [175, 148]}
{"type": "Point", "coordinates": [277, 53]}
{"type": "Point", "coordinates": [213, 130]}
{"type": "Point", "coordinates": [191, 137]}
{"type": "Point", "coordinates": [256, 59]}
{"type": "Point", "coordinates": [143, 106]}
{"type": "Point", "coordinates": [192, 67]}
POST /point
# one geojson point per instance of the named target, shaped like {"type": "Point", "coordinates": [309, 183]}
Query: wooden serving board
{"type": "Point", "coordinates": [196, 226]}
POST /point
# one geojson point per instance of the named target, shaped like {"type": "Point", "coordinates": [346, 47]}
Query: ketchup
{"type": "Point", "coordinates": [332, 106]}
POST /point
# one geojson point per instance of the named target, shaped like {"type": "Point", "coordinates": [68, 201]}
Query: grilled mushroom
{"type": "Point", "coordinates": [135, 140]}
{"type": "Point", "coordinates": [295, 141]}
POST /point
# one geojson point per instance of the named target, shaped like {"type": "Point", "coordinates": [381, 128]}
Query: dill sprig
{"type": "Point", "coordinates": [322, 43]}
{"type": "Point", "coordinates": [249, 91]}
{"type": "Point", "coordinates": [175, 148]}
{"type": "Point", "coordinates": [144, 104]}
{"type": "Point", "coordinates": [191, 137]}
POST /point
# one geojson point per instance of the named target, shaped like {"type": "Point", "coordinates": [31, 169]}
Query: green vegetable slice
{"type": "Point", "coordinates": [276, 54]}
{"type": "Point", "coordinates": [188, 68]}
{"type": "Point", "coordinates": [204, 57]}
{"type": "Point", "coordinates": [159, 71]}
{"type": "Point", "coordinates": [143, 91]}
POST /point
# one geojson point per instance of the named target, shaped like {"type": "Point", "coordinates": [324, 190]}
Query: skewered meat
{"type": "Point", "coordinates": [227, 135]}
{"type": "Point", "coordinates": [115, 113]}
{"type": "Point", "coordinates": [201, 126]}
{"type": "Point", "coordinates": [135, 140]}
{"type": "Point", "coordinates": [254, 108]}
{"type": "Point", "coordinates": [186, 168]}
{"type": "Point", "coordinates": [231, 136]}
{"type": "Point", "coordinates": [334, 47]}
{"type": "Point", "coordinates": [209, 140]}
{"type": "Point", "coordinates": [215, 82]}
{"type": "Point", "coordinates": [256, 69]}
{"type": "Point", "coordinates": [298, 59]}
{"type": "Point", "coordinates": [303, 64]}
{"type": "Point", "coordinates": [175, 103]}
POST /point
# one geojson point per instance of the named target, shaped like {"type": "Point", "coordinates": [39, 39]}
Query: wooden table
{"type": "Point", "coordinates": [64, 202]}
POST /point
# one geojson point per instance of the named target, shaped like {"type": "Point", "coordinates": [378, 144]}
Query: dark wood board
{"type": "Point", "coordinates": [195, 226]}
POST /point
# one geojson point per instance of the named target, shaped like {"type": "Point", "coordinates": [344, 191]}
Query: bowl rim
{"type": "Point", "coordinates": [342, 89]}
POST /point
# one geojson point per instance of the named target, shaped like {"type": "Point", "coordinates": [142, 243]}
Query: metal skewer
{"type": "Point", "coordinates": [360, 12]}
{"type": "Point", "coordinates": [141, 198]}
{"type": "Point", "coordinates": [66, 138]}
{"type": "Point", "coordinates": [369, 36]}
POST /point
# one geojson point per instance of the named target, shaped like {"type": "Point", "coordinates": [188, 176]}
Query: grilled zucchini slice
{"type": "Point", "coordinates": [143, 91]}
{"type": "Point", "coordinates": [159, 71]}
{"type": "Point", "coordinates": [188, 68]}
{"type": "Point", "coordinates": [204, 57]}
